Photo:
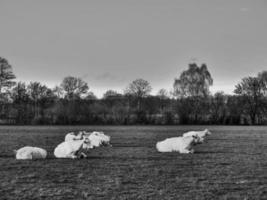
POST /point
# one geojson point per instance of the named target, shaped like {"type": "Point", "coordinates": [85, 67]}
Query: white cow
{"type": "Point", "coordinates": [201, 134]}
{"type": "Point", "coordinates": [72, 136]}
{"type": "Point", "coordinates": [179, 144]}
{"type": "Point", "coordinates": [71, 149]}
{"type": "Point", "coordinates": [99, 139]}
{"type": "Point", "coordinates": [29, 153]}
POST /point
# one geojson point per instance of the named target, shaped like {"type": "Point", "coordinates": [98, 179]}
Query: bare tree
{"type": "Point", "coordinates": [252, 91]}
{"type": "Point", "coordinates": [74, 87]}
{"type": "Point", "coordinates": [139, 89]}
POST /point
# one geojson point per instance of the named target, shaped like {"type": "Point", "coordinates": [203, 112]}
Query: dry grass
{"type": "Point", "coordinates": [231, 165]}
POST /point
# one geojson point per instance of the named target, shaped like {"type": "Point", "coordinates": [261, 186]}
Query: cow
{"type": "Point", "coordinates": [72, 148]}
{"type": "Point", "coordinates": [30, 153]}
{"type": "Point", "coordinates": [178, 144]}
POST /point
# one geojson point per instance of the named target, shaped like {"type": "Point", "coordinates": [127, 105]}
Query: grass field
{"type": "Point", "coordinates": [232, 164]}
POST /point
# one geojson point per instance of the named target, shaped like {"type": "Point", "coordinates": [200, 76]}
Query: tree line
{"type": "Point", "coordinates": [190, 102]}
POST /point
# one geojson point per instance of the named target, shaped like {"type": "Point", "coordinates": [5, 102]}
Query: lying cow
{"type": "Point", "coordinates": [73, 148]}
{"type": "Point", "coordinates": [99, 139]}
{"type": "Point", "coordinates": [201, 134]}
{"type": "Point", "coordinates": [30, 153]}
{"type": "Point", "coordinates": [72, 136]}
{"type": "Point", "coordinates": [179, 144]}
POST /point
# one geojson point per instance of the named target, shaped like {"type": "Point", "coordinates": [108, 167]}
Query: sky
{"type": "Point", "coordinates": [111, 43]}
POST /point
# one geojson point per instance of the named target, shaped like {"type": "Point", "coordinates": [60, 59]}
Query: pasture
{"type": "Point", "coordinates": [232, 164]}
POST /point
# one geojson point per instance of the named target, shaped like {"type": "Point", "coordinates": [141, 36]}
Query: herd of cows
{"type": "Point", "coordinates": [76, 145]}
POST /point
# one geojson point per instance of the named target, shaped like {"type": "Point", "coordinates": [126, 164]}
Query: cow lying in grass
{"type": "Point", "coordinates": [178, 144]}
{"type": "Point", "coordinates": [99, 139]}
{"type": "Point", "coordinates": [30, 153]}
{"type": "Point", "coordinates": [75, 144]}
{"type": "Point", "coordinates": [73, 148]}
{"type": "Point", "coordinates": [72, 136]}
{"type": "Point", "coordinates": [201, 134]}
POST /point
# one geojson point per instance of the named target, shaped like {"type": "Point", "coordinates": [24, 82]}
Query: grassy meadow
{"type": "Point", "coordinates": [231, 164]}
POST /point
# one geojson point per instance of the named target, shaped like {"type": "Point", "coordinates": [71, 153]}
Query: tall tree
{"type": "Point", "coordinates": [36, 92]}
{"type": "Point", "coordinates": [162, 95]}
{"type": "Point", "coordinates": [6, 76]}
{"type": "Point", "coordinates": [139, 89]}
{"type": "Point", "coordinates": [74, 87]}
{"type": "Point", "coordinates": [263, 78]}
{"type": "Point", "coordinates": [6, 82]}
{"type": "Point", "coordinates": [252, 91]}
{"type": "Point", "coordinates": [195, 81]}
{"type": "Point", "coordinates": [193, 84]}
{"type": "Point", "coordinates": [218, 108]}
{"type": "Point", "coordinates": [20, 101]}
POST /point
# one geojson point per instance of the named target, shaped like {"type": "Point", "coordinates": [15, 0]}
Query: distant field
{"type": "Point", "coordinates": [231, 165]}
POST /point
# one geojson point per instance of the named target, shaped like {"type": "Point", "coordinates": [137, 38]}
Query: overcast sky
{"type": "Point", "coordinates": [110, 43]}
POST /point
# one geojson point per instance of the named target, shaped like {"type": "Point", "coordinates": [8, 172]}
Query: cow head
{"type": "Point", "coordinates": [80, 135]}
{"type": "Point", "coordinates": [197, 139]}
{"type": "Point", "coordinates": [207, 132]}
{"type": "Point", "coordinates": [87, 144]}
